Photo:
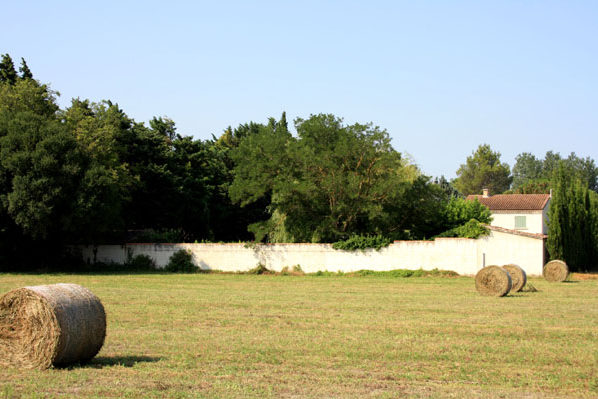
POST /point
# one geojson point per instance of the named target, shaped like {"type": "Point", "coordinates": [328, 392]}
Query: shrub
{"type": "Point", "coordinates": [140, 263]}
{"type": "Point", "coordinates": [259, 269]}
{"type": "Point", "coordinates": [471, 229]}
{"type": "Point", "coordinates": [362, 242]}
{"type": "Point", "coordinates": [181, 262]}
{"type": "Point", "coordinates": [296, 271]}
{"type": "Point", "coordinates": [396, 273]}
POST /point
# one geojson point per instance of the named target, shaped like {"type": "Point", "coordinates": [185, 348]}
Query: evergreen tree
{"type": "Point", "coordinates": [572, 221]}
{"type": "Point", "coordinates": [8, 74]}
{"type": "Point", "coordinates": [557, 217]}
{"type": "Point", "coordinates": [483, 169]}
{"type": "Point", "coordinates": [282, 124]}
{"type": "Point", "coordinates": [25, 71]}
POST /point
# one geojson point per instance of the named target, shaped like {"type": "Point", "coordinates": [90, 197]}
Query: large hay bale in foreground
{"type": "Point", "coordinates": [555, 271]}
{"type": "Point", "coordinates": [518, 277]}
{"type": "Point", "coordinates": [493, 281]}
{"type": "Point", "coordinates": [47, 325]}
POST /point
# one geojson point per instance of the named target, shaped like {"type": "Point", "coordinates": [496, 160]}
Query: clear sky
{"type": "Point", "coordinates": [441, 76]}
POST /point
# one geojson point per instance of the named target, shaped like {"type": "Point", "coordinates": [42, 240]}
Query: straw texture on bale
{"type": "Point", "coordinates": [493, 281]}
{"type": "Point", "coordinates": [50, 325]}
{"type": "Point", "coordinates": [518, 277]}
{"type": "Point", "coordinates": [555, 271]}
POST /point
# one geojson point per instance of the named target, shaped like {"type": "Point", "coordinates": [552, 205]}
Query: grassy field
{"type": "Point", "coordinates": [223, 336]}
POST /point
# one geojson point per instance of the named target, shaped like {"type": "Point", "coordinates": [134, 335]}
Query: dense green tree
{"type": "Point", "coordinates": [447, 187]}
{"type": "Point", "coordinates": [539, 186]}
{"type": "Point", "coordinates": [28, 96]}
{"type": "Point", "coordinates": [483, 169]}
{"type": "Point", "coordinates": [164, 126]}
{"type": "Point", "coordinates": [459, 211]}
{"type": "Point", "coordinates": [572, 222]}
{"type": "Point", "coordinates": [585, 169]}
{"type": "Point", "coordinates": [527, 168]}
{"type": "Point", "coordinates": [25, 71]}
{"type": "Point", "coordinates": [107, 181]}
{"type": "Point", "coordinates": [328, 183]}
{"type": "Point", "coordinates": [231, 138]}
{"type": "Point", "coordinates": [8, 74]}
{"type": "Point", "coordinates": [533, 175]}
{"type": "Point", "coordinates": [40, 163]}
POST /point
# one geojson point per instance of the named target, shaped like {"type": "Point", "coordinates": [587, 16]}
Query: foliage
{"type": "Point", "coordinates": [539, 186]}
{"type": "Point", "coordinates": [471, 229]}
{"type": "Point", "coordinates": [8, 74]}
{"type": "Point", "coordinates": [140, 262]}
{"type": "Point", "coordinates": [295, 271]}
{"type": "Point", "coordinates": [40, 164]}
{"type": "Point", "coordinates": [527, 168]}
{"type": "Point", "coordinates": [259, 269]}
{"type": "Point", "coordinates": [25, 71]}
{"type": "Point", "coordinates": [532, 175]}
{"type": "Point", "coordinates": [459, 211]}
{"type": "Point", "coordinates": [181, 262]}
{"type": "Point", "coordinates": [483, 169]}
{"type": "Point", "coordinates": [403, 273]}
{"type": "Point", "coordinates": [462, 218]}
{"type": "Point", "coordinates": [573, 222]}
{"type": "Point", "coordinates": [447, 187]}
{"type": "Point", "coordinates": [328, 183]}
{"type": "Point", "coordinates": [362, 242]}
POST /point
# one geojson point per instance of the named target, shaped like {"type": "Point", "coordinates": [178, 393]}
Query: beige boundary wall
{"type": "Point", "coordinates": [462, 255]}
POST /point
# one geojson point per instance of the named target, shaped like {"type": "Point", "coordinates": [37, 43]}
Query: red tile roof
{"type": "Point", "coordinates": [513, 202]}
{"type": "Point", "coordinates": [517, 232]}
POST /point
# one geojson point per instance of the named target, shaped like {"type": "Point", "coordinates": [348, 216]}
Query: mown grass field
{"type": "Point", "coordinates": [227, 336]}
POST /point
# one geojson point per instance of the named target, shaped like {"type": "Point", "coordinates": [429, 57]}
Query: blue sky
{"type": "Point", "coordinates": [442, 77]}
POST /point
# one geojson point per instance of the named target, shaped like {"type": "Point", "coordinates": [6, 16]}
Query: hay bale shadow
{"type": "Point", "coordinates": [100, 362]}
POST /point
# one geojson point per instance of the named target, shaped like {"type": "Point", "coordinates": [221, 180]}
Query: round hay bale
{"type": "Point", "coordinates": [518, 277]}
{"type": "Point", "coordinates": [50, 325]}
{"type": "Point", "coordinates": [493, 281]}
{"type": "Point", "coordinates": [555, 271]}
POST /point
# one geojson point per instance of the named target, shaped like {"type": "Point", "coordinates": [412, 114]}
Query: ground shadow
{"type": "Point", "coordinates": [125, 361]}
{"type": "Point", "coordinates": [571, 281]}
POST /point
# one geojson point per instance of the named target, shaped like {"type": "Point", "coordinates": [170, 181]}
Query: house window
{"type": "Point", "coordinates": [520, 222]}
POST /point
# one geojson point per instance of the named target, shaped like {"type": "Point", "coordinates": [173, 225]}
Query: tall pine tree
{"type": "Point", "coordinates": [8, 74]}
{"type": "Point", "coordinates": [25, 71]}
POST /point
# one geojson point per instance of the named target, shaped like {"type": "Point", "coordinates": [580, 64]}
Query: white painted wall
{"type": "Point", "coordinates": [535, 220]}
{"type": "Point", "coordinates": [504, 248]}
{"type": "Point", "coordinates": [462, 255]}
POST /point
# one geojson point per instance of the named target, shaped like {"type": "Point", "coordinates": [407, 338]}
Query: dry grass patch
{"type": "Point", "coordinates": [238, 336]}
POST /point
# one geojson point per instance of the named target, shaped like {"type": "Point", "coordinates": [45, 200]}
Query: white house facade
{"type": "Point", "coordinates": [519, 212]}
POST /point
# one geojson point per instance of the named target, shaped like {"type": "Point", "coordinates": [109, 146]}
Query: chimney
{"type": "Point", "coordinates": [485, 193]}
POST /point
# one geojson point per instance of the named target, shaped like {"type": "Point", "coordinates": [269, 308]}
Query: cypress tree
{"type": "Point", "coordinates": [557, 217]}
{"type": "Point", "coordinates": [282, 124]}
{"type": "Point", "coordinates": [25, 71]}
{"type": "Point", "coordinates": [572, 222]}
{"type": "Point", "coordinates": [8, 73]}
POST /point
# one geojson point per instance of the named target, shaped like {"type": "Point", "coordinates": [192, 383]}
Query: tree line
{"type": "Point", "coordinates": [90, 174]}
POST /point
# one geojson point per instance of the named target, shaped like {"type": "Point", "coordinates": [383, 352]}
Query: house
{"type": "Point", "coordinates": [525, 213]}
